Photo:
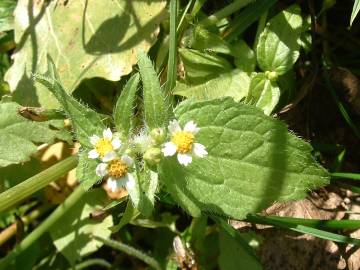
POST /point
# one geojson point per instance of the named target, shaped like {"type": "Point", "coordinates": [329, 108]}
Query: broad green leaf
{"type": "Point", "coordinates": [149, 183]}
{"type": "Point", "coordinates": [278, 46]}
{"type": "Point", "coordinates": [85, 121]}
{"type": "Point", "coordinates": [252, 159]}
{"type": "Point", "coordinates": [233, 84]}
{"type": "Point", "coordinates": [86, 39]}
{"type": "Point", "coordinates": [263, 93]}
{"type": "Point", "coordinates": [154, 99]}
{"type": "Point", "coordinates": [6, 15]}
{"type": "Point", "coordinates": [200, 67]}
{"type": "Point", "coordinates": [124, 108]}
{"type": "Point", "coordinates": [245, 57]}
{"type": "Point", "coordinates": [85, 170]}
{"type": "Point", "coordinates": [72, 235]}
{"type": "Point", "coordinates": [355, 11]}
{"type": "Point", "coordinates": [19, 136]}
{"type": "Point", "coordinates": [204, 40]}
{"type": "Point", "coordinates": [233, 255]}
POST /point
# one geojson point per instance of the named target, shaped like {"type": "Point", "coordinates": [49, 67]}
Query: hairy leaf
{"type": "Point", "coordinates": [86, 39]}
{"type": "Point", "coordinates": [72, 236]}
{"type": "Point", "coordinates": [245, 57]}
{"type": "Point", "coordinates": [278, 46]}
{"type": "Point", "coordinates": [85, 170]}
{"type": "Point", "coordinates": [252, 159]}
{"type": "Point", "coordinates": [19, 136]}
{"type": "Point", "coordinates": [123, 112]}
{"type": "Point", "coordinates": [154, 99]}
{"type": "Point", "coordinates": [6, 15]}
{"type": "Point", "coordinates": [85, 121]}
{"type": "Point", "coordinates": [233, 84]}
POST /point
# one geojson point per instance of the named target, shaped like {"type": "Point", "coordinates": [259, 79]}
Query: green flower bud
{"type": "Point", "coordinates": [271, 75]}
{"type": "Point", "coordinates": [152, 156]}
{"type": "Point", "coordinates": [158, 135]}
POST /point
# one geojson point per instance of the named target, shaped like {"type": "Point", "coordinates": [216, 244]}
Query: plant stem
{"type": "Point", "coordinates": [353, 176]}
{"type": "Point", "coordinates": [14, 195]}
{"type": "Point", "coordinates": [130, 251]}
{"type": "Point", "coordinates": [91, 262]}
{"type": "Point", "coordinates": [226, 11]}
{"type": "Point", "coordinates": [7, 233]}
{"type": "Point", "coordinates": [59, 212]}
{"type": "Point", "coordinates": [171, 70]}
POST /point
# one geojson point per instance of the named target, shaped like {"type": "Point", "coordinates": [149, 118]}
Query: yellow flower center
{"type": "Point", "coordinates": [117, 168]}
{"type": "Point", "coordinates": [184, 141]}
{"type": "Point", "coordinates": [103, 146]}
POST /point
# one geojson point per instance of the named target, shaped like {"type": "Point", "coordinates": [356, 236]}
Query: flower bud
{"type": "Point", "coordinates": [158, 135]}
{"type": "Point", "coordinates": [271, 75]}
{"type": "Point", "coordinates": [152, 156]}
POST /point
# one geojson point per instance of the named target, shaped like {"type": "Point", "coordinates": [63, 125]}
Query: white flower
{"type": "Point", "coordinates": [117, 169]}
{"type": "Point", "coordinates": [104, 147]}
{"type": "Point", "coordinates": [183, 143]}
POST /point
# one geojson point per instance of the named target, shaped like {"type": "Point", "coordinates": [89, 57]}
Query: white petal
{"type": "Point", "coordinates": [184, 159]}
{"type": "Point", "coordinates": [107, 134]}
{"type": "Point", "coordinates": [174, 126]}
{"type": "Point", "coordinates": [116, 143]}
{"type": "Point", "coordinates": [101, 169]}
{"type": "Point", "coordinates": [191, 127]}
{"type": "Point", "coordinates": [127, 160]}
{"type": "Point", "coordinates": [93, 154]}
{"type": "Point", "coordinates": [94, 139]}
{"type": "Point", "coordinates": [129, 182]}
{"type": "Point", "coordinates": [200, 150]}
{"type": "Point", "coordinates": [111, 184]}
{"type": "Point", "coordinates": [109, 156]}
{"type": "Point", "coordinates": [169, 149]}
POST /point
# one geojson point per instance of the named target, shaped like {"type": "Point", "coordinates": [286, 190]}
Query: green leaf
{"type": "Point", "coordinates": [85, 121]}
{"type": "Point", "coordinates": [149, 183]}
{"type": "Point", "coordinates": [233, 84]}
{"type": "Point", "coordinates": [245, 57]}
{"type": "Point", "coordinates": [123, 112]}
{"type": "Point", "coordinates": [355, 11]}
{"type": "Point", "coordinates": [6, 15]}
{"type": "Point", "coordinates": [200, 67]}
{"type": "Point", "coordinates": [278, 46]}
{"type": "Point", "coordinates": [86, 40]}
{"type": "Point", "coordinates": [72, 236]}
{"type": "Point", "coordinates": [19, 136]}
{"type": "Point", "coordinates": [85, 170]}
{"type": "Point", "coordinates": [233, 254]}
{"type": "Point", "coordinates": [154, 99]}
{"type": "Point", "coordinates": [263, 93]}
{"type": "Point", "coordinates": [252, 159]}
{"type": "Point", "coordinates": [204, 40]}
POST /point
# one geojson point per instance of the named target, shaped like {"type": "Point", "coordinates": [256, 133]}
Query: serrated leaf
{"type": "Point", "coordinates": [154, 99]}
{"type": "Point", "coordinates": [278, 46]}
{"type": "Point", "coordinates": [72, 236]}
{"type": "Point", "coordinates": [124, 108]}
{"type": "Point", "coordinates": [86, 170]}
{"type": "Point", "coordinates": [85, 121]}
{"type": "Point", "coordinates": [200, 67]}
{"type": "Point", "coordinates": [19, 136]}
{"type": "Point", "coordinates": [86, 39]}
{"type": "Point", "coordinates": [252, 159]}
{"type": "Point", "coordinates": [233, 84]}
{"type": "Point", "coordinates": [245, 57]}
{"type": "Point", "coordinates": [263, 93]}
